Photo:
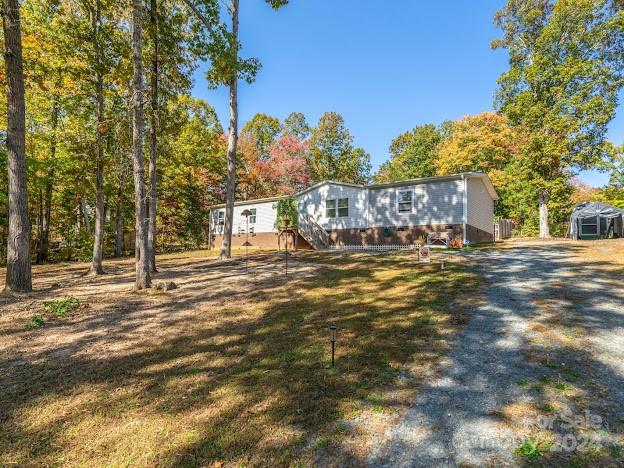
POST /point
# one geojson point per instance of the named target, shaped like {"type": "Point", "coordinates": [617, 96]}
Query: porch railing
{"type": "Point", "coordinates": [313, 233]}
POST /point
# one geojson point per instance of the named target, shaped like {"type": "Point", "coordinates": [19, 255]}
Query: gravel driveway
{"type": "Point", "coordinates": [547, 334]}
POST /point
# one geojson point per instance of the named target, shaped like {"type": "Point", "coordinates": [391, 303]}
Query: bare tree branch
{"type": "Point", "coordinates": [200, 16]}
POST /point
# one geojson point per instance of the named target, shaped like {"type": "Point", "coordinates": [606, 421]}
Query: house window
{"type": "Point", "coordinates": [252, 216]}
{"type": "Point", "coordinates": [343, 207]}
{"type": "Point", "coordinates": [330, 208]}
{"type": "Point", "coordinates": [405, 201]}
{"type": "Point", "coordinates": [338, 207]}
{"type": "Point", "coordinates": [221, 218]}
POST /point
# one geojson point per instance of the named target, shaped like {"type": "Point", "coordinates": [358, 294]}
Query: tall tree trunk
{"type": "Point", "coordinates": [85, 215]}
{"type": "Point", "coordinates": [143, 279]}
{"type": "Point", "coordinates": [39, 224]}
{"type": "Point", "coordinates": [44, 233]}
{"type": "Point", "coordinates": [98, 238]}
{"type": "Point", "coordinates": [153, 173]}
{"type": "Point", "coordinates": [44, 241]}
{"type": "Point", "coordinates": [18, 272]}
{"type": "Point", "coordinates": [226, 247]}
{"type": "Point", "coordinates": [544, 229]}
{"type": "Point", "coordinates": [119, 217]}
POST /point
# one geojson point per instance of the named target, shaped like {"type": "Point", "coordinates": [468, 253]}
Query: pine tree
{"type": "Point", "coordinates": [18, 273]}
{"type": "Point", "coordinates": [143, 277]}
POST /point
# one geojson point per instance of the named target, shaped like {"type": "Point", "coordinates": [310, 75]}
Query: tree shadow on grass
{"type": "Point", "coordinates": [192, 380]}
{"type": "Point", "coordinates": [514, 364]}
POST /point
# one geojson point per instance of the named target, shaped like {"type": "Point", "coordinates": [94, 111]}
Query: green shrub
{"type": "Point", "coordinates": [35, 322]}
{"type": "Point", "coordinates": [287, 208]}
{"type": "Point", "coordinates": [548, 408]}
{"type": "Point", "coordinates": [322, 442]}
{"type": "Point", "coordinates": [529, 450]}
{"type": "Point", "coordinates": [61, 307]}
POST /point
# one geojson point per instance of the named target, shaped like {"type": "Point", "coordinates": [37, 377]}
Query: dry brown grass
{"type": "Point", "coordinates": [228, 369]}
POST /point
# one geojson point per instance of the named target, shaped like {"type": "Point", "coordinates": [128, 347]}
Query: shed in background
{"type": "Point", "coordinates": [596, 220]}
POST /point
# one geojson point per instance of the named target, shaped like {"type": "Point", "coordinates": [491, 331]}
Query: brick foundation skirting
{"type": "Point", "coordinates": [262, 240]}
{"type": "Point", "coordinates": [390, 235]}
{"type": "Point", "coordinates": [365, 236]}
{"type": "Point", "coordinates": [476, 235]}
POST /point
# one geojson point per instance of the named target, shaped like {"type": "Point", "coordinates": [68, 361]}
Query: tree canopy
{"type": "Point", "coordinates": [332, 154]}
{"type": "Point", "coordinates": [412, 154]}
{"type": "Point", "coordinates": [561, 89]}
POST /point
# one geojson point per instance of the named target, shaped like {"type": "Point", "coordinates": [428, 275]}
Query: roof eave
{"type": "Point", "coordinates": [248, 202]}
{"type": "Point", "coordinates": [423, 180]}
{"type": "Point", "coordinates": [327, 182]}
{"type": "Point", "coordinates": [420, 180]}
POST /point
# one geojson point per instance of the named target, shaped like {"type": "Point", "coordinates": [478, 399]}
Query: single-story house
{"type": "Point", "coordinates": [596, 220]}
{"type": "Point", "coordinates": [329, 212]}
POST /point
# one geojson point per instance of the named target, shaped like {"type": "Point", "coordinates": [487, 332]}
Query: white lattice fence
{"type": "Point", "coordinates": [374, 247]}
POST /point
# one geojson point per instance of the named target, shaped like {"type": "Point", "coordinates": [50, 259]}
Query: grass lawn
{"type": "Point", "coordinates": [228, 368]}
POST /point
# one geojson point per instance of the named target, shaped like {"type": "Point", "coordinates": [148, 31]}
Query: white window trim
{"type": "Point", "coordinates": [335, 208]}
{"type": "Point", "coordinates": [398, 202]}
{"type": "Point", "coordinates": [343, 207]}
{"type": "Point", "coordinates": [253, 215]}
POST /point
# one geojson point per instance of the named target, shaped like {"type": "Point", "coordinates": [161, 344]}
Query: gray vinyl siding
{"type": "Point", "coordinates": [480, 206]}
{"type": "Point", "coordinates": [433, 203]}
{"type": "Point", "coordinates": [312, 203]}
{"type": "Point", "coordinates": [266, 217]}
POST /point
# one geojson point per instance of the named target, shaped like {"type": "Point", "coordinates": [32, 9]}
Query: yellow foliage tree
{"type": "Point", "coordinates": [484, 142]}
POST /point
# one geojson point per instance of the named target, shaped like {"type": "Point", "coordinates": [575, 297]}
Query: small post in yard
{"type": "Point", "coordinates": [247, 214]}
{"type": "Point", "coordinates": [247, 244]}
{"type": "Point", "coordinates": [423, 254]}
{"type": "Point", "coordinates": [333, 329]}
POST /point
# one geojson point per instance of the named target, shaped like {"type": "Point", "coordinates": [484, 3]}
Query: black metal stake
{"type": "Point", "coordinates": [333, 342]}
{"type": "Point", "coordinates": [286, 255]}
{"type": "Point", "coordinates": [247, 247]}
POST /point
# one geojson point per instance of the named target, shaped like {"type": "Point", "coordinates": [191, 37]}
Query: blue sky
{"type": "Point", "coordinates": [386, 66]}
